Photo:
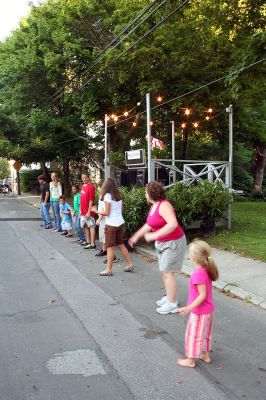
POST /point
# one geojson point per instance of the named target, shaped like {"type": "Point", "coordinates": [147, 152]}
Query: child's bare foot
{"type": "Point", "coordinates": [205, 357]}
{"type": "Point", "coordinates": [186, 362]}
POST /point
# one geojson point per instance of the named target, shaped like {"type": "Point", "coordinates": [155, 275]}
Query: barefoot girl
{"type": "Point", "coordinates": [200, 305]}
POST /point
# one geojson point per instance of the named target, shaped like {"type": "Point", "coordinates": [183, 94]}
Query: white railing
{"type": "Point", "coordinates": [191, 171]}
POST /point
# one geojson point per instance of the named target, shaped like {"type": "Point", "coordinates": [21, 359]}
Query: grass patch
{"type": "Point", "coordinates": [248, 234]}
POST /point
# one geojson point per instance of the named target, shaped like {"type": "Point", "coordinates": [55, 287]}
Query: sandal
{"type": "Point", "coordinates": [129, 269]}
{"type": "Point", "coordinates": [106, 274]}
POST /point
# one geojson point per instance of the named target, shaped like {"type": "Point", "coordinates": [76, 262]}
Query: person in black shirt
{"type": "Point", "coordinates": [45, 202]}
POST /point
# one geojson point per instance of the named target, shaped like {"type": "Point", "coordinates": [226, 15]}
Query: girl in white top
{"type": "Point", "coordinates": [55, 193]}
{"type": "Point", "coordinates": [114, 225]}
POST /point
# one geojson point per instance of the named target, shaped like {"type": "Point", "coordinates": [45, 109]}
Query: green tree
{"type": "Point", "coordinates": [4, 168]}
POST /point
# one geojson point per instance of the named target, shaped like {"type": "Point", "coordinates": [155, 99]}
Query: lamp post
{"type": "Point", "coordinates": [229, 110]}
{"type": "Point", "coordinates": [173, 149]}
{"type": "Point", "coordinates": [106, 169]}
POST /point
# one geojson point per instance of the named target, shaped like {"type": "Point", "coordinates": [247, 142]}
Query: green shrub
{"type": "Point", "coordinates": [204, 201]}
{"type": "Point", "coordinates": [185, 202]}
{"type": "Point", "coordinates": [135, 208]}
{"type": "Point", "coordinates": [29, 181]}
{"type": "Point", "coordinates": [213, 200]}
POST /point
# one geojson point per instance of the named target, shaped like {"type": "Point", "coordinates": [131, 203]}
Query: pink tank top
{"type": "Point", "coordinates": [156, 222]}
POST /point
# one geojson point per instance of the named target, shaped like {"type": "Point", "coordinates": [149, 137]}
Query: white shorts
{"type": "Point", "coordinates": [102, 232]}
{"type": "Point", "coordinates": [90, 223]}
{"type": "Point", "coordinates": [66, 226]}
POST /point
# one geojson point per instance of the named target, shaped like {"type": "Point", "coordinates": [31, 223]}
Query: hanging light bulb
{"type": "Point", "coordinates": [138, 104]}
{"type": "Point", "coordinates": [207, 118]}
{"type": "Point", "coordinates": [159, 99]}
{"type": "Point", "coordinates": [183, 125]}
{"type": "Point", "coordinates": [195, 124]}
{"type": "Point", "coordinates": [126, 113]}
{"type": "Point", "coordinates": [151, 123]}
{"type": "Point", "coordinates": [134, 124]}
{"type": "Point", "coordinates": [187, 111]}
{"type": "Point", "coordinates": [113, 116]}
{"type": "Point", "coordinates": [210, 110]}
{"type": "Point", "coordinates": [116, 118]}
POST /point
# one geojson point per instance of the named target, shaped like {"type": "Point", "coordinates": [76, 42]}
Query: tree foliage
{"type": "Point", "coordinates": [56, 78]}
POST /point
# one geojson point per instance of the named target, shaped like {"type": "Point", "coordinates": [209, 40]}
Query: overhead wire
{"type": "Point", "coordinates": [136, 42]}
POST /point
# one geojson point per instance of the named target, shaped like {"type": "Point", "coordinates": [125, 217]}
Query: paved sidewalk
{"type": "Point", "coordinates": [239, 276]}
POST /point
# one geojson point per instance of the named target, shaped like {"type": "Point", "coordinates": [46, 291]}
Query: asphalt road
{"type": "Point", "coordinates": [67, 333]}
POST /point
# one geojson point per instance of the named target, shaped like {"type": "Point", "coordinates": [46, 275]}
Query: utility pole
{"type": "Point", "coordinates": [148, 112]}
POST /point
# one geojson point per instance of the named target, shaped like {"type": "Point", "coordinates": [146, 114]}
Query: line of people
{"type": "Point", "coordinates": [161, 227]}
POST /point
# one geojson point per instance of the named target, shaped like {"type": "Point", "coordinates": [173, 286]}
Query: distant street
{"type": "Point", "coordinates": [67, 333]}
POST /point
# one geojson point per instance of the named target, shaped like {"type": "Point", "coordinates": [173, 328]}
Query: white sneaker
{"type": "Point", "coordinates": [162, 301]}
{"type": "Point", "coordinates": [167, 308]}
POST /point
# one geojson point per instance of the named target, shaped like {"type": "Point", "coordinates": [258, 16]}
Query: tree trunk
{"type": "Point", "coordinates": [260, 162]}
{"type": "Point", "coordinates": [45, 171]}
{"type": "Point", "coordinates": [66, 178]}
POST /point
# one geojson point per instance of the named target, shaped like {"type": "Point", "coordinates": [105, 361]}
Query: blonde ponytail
{"type": "Point", "coordinates": [200, 252]}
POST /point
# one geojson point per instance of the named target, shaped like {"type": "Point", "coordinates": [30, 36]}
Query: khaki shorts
{"type": "Point", "coordinates": [114, 235]}
{"type": "Point", "coordinates": [171, 254]}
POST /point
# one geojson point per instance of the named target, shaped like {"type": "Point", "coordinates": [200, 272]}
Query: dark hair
{"type": "Point", "coordinates": [155, 191]}
{"type": "Point", "coordinates": [201, 253]}
{"type": "Point", "coordinates": [85, 173]}
{"type": "Point", "coordinates": [42, 178]}
{"type": "Point", "coordinates": [63, 197]}
{"type": "Point", "coordinates": [109, 186]}
{"type": "Point", "coordinates": [76, 186]}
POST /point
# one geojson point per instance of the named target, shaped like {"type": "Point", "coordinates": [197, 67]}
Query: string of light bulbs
{"type": "Point", "coordinates": [191, 91]}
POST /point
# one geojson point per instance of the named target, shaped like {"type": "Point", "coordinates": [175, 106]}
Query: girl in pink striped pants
{"type": "Point", "coordinates": [200, 305]}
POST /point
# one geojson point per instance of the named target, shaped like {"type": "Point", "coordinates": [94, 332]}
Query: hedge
{"type": "Point", "coordinates": [204, 201]}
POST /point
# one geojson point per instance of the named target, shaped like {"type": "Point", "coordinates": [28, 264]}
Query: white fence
{"type": "Point", "coordinates": [189, 171]}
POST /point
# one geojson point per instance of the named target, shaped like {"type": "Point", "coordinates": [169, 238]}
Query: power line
{"type": "Point", "coordinates": [60, 91]}
{"type": "Point", "coordinates": [102, 54]}
{"type": "Point", "coordinates": [137, 41]}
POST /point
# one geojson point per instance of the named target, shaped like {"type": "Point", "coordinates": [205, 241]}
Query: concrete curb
{"type": "Point", "coordinates": [223, 286]}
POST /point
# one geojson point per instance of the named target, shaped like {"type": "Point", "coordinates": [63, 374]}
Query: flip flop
{"type": "Point", "coordinates": [106, 274]}
{"type": "Point", "coordinates": [129, 269]}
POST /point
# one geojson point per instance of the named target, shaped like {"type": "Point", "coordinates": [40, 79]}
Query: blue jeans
{"type": "Point", "coordinates": [46, 217]}
{"type": "Point", "coordinates": [79, 230]}
{"type": "Point", "coordinates": [56, 212]}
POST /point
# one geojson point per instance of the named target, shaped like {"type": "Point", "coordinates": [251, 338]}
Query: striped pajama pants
{"type": "Point", "coordinates": [198, 335]}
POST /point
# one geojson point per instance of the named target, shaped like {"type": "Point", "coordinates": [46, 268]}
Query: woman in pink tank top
{"type": "Point", "coordinates": [170, 243]}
